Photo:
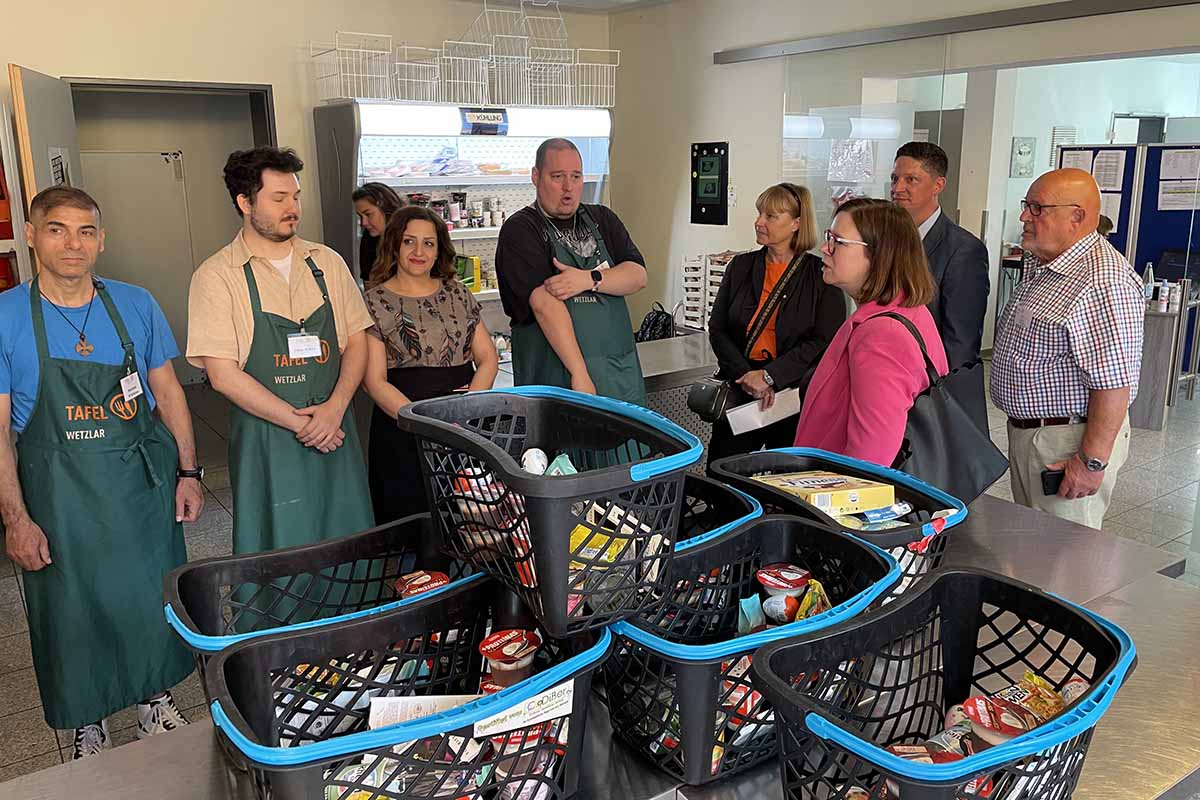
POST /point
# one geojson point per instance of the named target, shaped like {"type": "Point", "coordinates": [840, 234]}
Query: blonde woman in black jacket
{"type": "Point", "coordinates": [809, 312]}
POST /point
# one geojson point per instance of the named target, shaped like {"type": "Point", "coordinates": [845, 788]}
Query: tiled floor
{"type": "Point", "coordinates": [1153, 503]}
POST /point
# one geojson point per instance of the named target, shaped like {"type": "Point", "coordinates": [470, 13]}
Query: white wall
{"type": "Point", "coordinates": [935, 92]}
{"type": "Point", "coordinates": [680, 96]}
{"type": "Point", "coordinates": [1087, 95]}
{"type": "Point", "coordinates": [233, 41]}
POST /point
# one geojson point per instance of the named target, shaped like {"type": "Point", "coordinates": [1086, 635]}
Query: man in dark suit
{"type": "Point", "coordinates": [958, 260]}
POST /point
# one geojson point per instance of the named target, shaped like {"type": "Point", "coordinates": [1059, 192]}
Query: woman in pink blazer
{"type": "Point", "coordinates": [858, 401]}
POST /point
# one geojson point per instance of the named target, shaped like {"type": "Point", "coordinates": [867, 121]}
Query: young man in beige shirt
{"type": "Point", "coordinates": [278, 324]}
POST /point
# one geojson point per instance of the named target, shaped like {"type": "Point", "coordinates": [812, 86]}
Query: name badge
{"type": "Point", "coordinates": [304, 345]}
{"type": "Point", "coordinates": [131, 386]}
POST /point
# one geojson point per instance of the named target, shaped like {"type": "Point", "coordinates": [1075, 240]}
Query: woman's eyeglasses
{"type": "Point", "coordinates": [832, 240]}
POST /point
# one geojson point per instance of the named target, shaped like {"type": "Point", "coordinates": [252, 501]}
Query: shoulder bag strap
{"type": "Point", "coordinates": [759, 323]}
{"type": "Point", "coordinates": [930, 370]}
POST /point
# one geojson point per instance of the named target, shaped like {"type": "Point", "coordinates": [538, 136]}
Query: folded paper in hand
{"type": "Point", "coordinates": [748, 417]}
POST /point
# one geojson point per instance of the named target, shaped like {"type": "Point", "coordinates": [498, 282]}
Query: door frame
{"type": "Point", "coordinates": [261, 95]}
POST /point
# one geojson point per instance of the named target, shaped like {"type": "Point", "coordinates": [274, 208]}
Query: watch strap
{"type": "Point", "coordinates": [196, 473]}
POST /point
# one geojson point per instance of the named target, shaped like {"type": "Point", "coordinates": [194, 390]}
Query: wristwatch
{"type": "Point", "coordinates": [768, 379]}
{"type": "Point", "coordinates": [597, 276]}
{"type": "Point", "coordinates": [1093, 464]}
{"type": "Point", "coordinates": [197, 473]}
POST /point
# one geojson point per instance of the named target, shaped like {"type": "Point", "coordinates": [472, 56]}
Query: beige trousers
{"type": "Point", "coordinates": [1029, 451]}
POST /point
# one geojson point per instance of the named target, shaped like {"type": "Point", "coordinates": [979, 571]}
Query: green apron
{"type": "Point", "coordinates": [99, 478]}
{"type": "Point", "coordinates": [602, 328]}
{"type": "Point", "coordinates": [286, 494]}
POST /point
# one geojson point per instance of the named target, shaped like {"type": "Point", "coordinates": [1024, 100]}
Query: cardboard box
{"type": "Point", "coordinates": [831, 493]}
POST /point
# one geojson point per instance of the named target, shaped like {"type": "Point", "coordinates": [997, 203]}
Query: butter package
{"type": "Point", "coordinates": [833, 494]}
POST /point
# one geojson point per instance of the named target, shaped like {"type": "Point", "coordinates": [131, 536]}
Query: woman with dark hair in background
{"type": "Point", "coordinates": [374, 203]}
{"type": "Point", "coordinates": [860, 396]}
{"type": "Point", "coordinates": [428, 341]}
{"type": "Point", "coordinates": [793, 337]}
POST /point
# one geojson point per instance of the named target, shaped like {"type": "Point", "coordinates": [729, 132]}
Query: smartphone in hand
{"type": "Point", "coordinates": [1051, 481]}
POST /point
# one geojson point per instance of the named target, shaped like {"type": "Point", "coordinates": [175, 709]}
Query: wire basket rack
{"type": "Point", "coordinates": [464, 72]}
{"type": "Point", "coordinates": [544, 24]}
{"type": "Point", "coordinates": [595, 77]}
{"type": "Point", "coordinates": [353, 65]}
{"type": "Point", "coordinates": [509, 70]}
{"type": "Point", "coordinates": [418, 74]}
{"type": "Point", "coordinates": [550, 76]}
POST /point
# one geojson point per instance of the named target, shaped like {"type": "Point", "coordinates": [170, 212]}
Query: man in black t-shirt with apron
{"type": "Point", "coordinates": [565, 270]}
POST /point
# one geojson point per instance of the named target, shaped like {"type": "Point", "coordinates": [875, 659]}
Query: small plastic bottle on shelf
{"type": "Point", "coordinates": [1148, 279]}
{"type": "Point", "coordinates": [1164, 295]}
{"type": "Point", "coordinates": [1176, 298]}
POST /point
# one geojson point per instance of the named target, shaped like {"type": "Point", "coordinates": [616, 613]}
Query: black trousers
{"type": "Point", "coordinates": [723, 443]}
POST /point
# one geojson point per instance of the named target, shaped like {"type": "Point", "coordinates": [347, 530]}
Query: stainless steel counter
{"type": "Point", "coordinates": [666, 364]}
{"type": "Point", "coordinates": [1146, 744]}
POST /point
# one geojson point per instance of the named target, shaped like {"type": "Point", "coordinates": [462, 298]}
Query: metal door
{"type": "Point", "coordinates": [46, 137]}
{"type": "Point", "coordinates": [148, 237]}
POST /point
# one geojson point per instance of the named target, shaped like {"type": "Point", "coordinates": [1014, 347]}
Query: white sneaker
{"type": "Point", "coordinates": [90, 740]}
{"type": "Point", "coordinates": [159, 716]}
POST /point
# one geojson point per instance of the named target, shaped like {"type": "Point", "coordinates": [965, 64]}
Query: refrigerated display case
{"type": "Point", "coordinates": [437, 152]}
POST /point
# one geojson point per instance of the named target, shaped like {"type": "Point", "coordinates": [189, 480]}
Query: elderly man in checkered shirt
{"type": "Point", "coordinates": [1068, 351]}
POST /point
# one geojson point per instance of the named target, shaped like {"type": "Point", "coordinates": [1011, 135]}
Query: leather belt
{"type": "Point", "coordinates": [1042, 422]}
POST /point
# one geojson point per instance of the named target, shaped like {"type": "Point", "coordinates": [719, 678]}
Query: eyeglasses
{"type": "Point", "coordinates": [1035, 209]}
{"type": "Point", "coordinates": [832, 240]}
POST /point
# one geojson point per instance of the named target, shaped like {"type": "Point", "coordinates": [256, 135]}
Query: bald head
{"type": "Point", "coordinates": [1063, 206]}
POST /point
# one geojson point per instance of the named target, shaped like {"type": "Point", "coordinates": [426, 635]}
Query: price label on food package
{"type": "Point", "coordinates": [551, 704]}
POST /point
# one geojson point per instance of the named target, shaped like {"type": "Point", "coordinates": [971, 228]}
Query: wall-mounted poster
{"type": "Point", "coordinates": [1020, 165]}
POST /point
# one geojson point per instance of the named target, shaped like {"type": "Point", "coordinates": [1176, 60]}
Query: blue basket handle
{"type": "Point", "coordinates": [642, 471]}
{"type": "Point", "coordinates": [756, 511]}
{"type": "Point", "coordinates": [895, 475]}
{"type": "Point", "coordinates": [1086, 713]}
{"type": "Point", "coordinates": [434, 725]}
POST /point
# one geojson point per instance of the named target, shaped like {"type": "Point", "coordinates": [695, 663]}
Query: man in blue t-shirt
{"type": "Point", "coordinates": [104, 475]}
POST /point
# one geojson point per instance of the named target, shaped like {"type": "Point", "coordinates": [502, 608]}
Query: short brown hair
{"type": "Point", "coordinates": [387, 260]}
{"type": "Point", "coordinates": [47, 200]}
{"type": "Point", "coordinates": [795, 200]}
{"type": "Point", "coordinates": [899, 268]}
{"type": "Point", "coordinates": [557, 143]}
{"type": "Point", "coordinates": [932, 157]}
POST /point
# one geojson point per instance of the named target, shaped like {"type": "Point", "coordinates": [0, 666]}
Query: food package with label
{"type": "Point", "coordinates": [510, 654]}
{"type": "Point", "coordinates": [1019, 708]}
{"type": "Point", "coordinates": [609, 536]}
{"type": "Point", "coordinates": [833, 494]}
{"type": "Point", "coordinates": [792, 593]}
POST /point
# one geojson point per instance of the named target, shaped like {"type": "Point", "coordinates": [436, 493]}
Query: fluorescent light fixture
{"type": "Point", "coordinates": [547, 122]}
{"type": "Point", "coordinates": [414, 119]}
{"type": "Point", "coordinates": [796, 126]}
{"type": "Point", "coordinates": [409, 119]}
{"type": "Point", "coordinates": [874, 128]}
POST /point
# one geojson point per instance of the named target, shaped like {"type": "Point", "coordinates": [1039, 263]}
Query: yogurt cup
{"type": "Point", "coordinates": [785, 579]}
{"type": "Point", "coordinates": [510, 654]}
{"type": "Point", "coordinates": [420, 582]}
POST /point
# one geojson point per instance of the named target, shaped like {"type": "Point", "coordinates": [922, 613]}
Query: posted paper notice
{"type": "Point", "coordinates": [1110, 206]}
{"type": "Point", "coordinates": [1109, 170]}
{"type": "Point", "coordinates": [1178, 195]}
{"type": "Point", "coordinates": [1077, 159]}
{"type": "Point", "coordinates": [1179, 164]}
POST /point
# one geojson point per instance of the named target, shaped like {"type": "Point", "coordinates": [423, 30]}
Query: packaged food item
{"type": "Point", "coordinates": [855, 523]}
{"type": "Point", "coordinates": [561, 465]}
{"type": "Point", "coordinates": [750, 616]}
{"type": "Point", "coordinates": [892, 512]}
{"type": "Point", "coordinates": [420, 582]}
{"type": "Point", "coordinates": [488, 686]}
{"type": "Point", "coordinates": [534, 461]}
{"type": "Point", "coordinates": [831, 493]}
{"type": "Point", "coordinates": [783, 579]}
{"type": "Point", "coordinates": [510, 654]}
{"type": "Point", "coordinates": [1013, 710]}
{"type": "Point", "coordinates": [815, 601]}
{"type": "Point", "coordinates": [781, 609]}
{"type": "Point", "coordinates": [339, 781]}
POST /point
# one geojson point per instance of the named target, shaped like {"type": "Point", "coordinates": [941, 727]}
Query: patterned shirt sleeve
{"type": "Point", "coordinates": [1106, 335]}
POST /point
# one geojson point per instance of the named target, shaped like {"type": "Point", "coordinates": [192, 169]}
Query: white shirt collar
{"type": "Point", "coordinates": [927, 225]}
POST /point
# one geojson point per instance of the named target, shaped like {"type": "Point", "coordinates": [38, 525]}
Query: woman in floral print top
{"type": "Point", "coordinates": [428, 341]}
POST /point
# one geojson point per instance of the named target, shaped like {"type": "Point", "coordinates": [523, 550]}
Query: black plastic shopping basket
{"type": "Point", "coordinates": [296, 706]}
{"type": "Point", "coordinates": [918, 546]}
{"type": "Point", "coordinates": [957, 634]}
{"type": "Point", "coordinates": [581, 550]}
{"type": "Point", "coordinates": [678, 683]}
{"type": "Point", "coordinates": [218, 602]}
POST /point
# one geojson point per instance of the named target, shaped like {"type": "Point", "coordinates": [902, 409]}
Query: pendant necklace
{"type": "Point", "coordinates": [83, 346]}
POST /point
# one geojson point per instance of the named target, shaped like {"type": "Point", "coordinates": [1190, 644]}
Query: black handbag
{"type": "Point", "coordinates": [943, 444]}
{"type": "Point", "coordinates": [710, 398]}
{"type": "Point", "coordinates": [657, 324]}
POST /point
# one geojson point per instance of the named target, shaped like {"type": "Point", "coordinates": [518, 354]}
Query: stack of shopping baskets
{"type": "Point", "coordinates": [567, 551]}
